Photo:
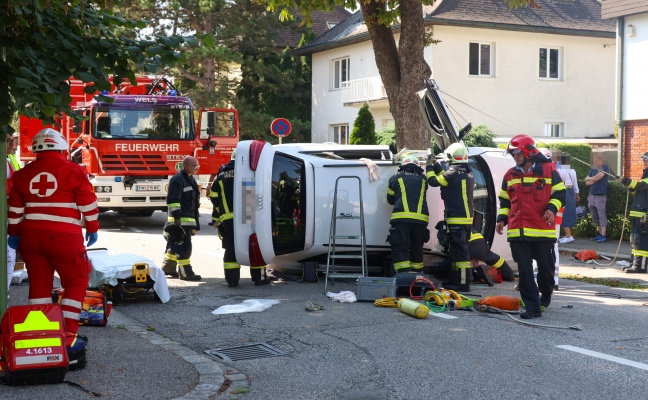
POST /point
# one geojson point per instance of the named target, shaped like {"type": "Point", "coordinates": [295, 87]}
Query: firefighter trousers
{"type": "Point", "coordinates": [458, 236]}
{"type": "Point", "coordinates": [406, 240]}
{"type": "Point", "coordinates": [231, 266]}
{"type": "Point", "coordinates": [524, 252]}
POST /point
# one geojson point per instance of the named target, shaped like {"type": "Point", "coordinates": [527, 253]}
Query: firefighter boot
{"type": "Point", "coordinates": [187, 274]}
{"type": "Point", "coordinates": [232, 277]}
{"type": "Point", "coordinates": [169, 265]}
{"type": "Point", "coordinates": [636, 266]}
{"type": "Point", "coordinates": [256, 277]}
{"type": "Point", "coordinates": [461, 279]}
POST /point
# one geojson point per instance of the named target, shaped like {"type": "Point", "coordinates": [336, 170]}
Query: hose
{"type": "Point", "coordinates": [574, 327]}
{"type": "Point", "coordinates": [391, 302]}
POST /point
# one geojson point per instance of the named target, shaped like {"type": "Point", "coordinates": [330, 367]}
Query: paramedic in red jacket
{"type": "Point", "coordinates": [50, 202]}
{"type": "Point", "coordinates": [532, 193]}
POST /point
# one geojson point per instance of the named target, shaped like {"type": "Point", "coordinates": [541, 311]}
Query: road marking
{"type": "Point", "coordinates": [605, 357]}
{"type": "Point", "coordinates": [135, 230]}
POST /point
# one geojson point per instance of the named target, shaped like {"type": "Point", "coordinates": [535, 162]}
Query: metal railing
{"type": "Point", "coordinates": [361, 90]}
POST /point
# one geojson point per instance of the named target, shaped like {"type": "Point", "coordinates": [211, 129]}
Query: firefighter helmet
{"type": "Point", "coordinates": [457, 153]}
{"type": "Point", "coordinates": [48, 139]}
{"type": "Point", "coordinates": [173, 233]}
{"type": "Point", "coordinates": [523, 143]}
{"type": "Point", "coordinates": [645, 156]}
{"type": "Point", "coordinates": [410, 159]}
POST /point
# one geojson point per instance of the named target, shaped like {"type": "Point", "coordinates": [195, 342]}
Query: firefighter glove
{"type": "Point", "coordinates": [13, 241]}
{"type": "Point", "coordinates": [91, 238]}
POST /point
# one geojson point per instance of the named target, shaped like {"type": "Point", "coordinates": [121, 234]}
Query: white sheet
{"type": "Point", "coordinates": [108, 266]}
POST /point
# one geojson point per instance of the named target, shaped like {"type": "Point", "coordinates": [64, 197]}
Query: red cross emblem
{"type": "Point", "coordinates": [43, 184]}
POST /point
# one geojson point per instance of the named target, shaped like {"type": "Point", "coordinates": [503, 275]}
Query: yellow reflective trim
{"type": "Point", "coordinates": [430, 174]}
{"type": "Point", "coordinates": [257, 266]}
{"type": "Point", "coordinates": [558, 187]}
{"type": "Point", "coordinates": [504, 194]}
{"type": "Point", "coordinates": [515, 181]}
{"type": "Point", "coordinates": [462, 264]}
{"type": "Point", "coordinates": [390, 191]}
{"type": "Point", "coordinates": [222, 187]}
{"type": "Point", "coordinates": [632, 184]}
{"type": "Point", "coordinates": [551, 233]}
{"type": "Point", "coordinates": [226, 216]}
{"type": "Point", "coordinates": [37, 321]}
{"type": "Point", "coordinates": [421, 197]}
{"type": "Point", "coordinates": [442, 180]}
{"type": "Point", "coordinates": [401, 183]}
{"type": "Point", "coordinates": [499, 263]}
{"type": "Point", "coordinates": [401, 265]}
{"type": "Point", "coordinates": [464, 193]}
{"type": "Point", "coordinates": [640, 253]}
{"type": "Point", "coordinates": [504, 211]}
{"type": "Point", "coordinates": [475, 236]}
{"type": "Point", "coordinates": [183, 262]}
{"type": "Point", "coordinates": [513, 233]}
{"type": "Point", "coordinates": [420, 217]}
{"type": "Point", "coordinates": [170, 256]}
{"type": "Point", "coordinates": [459, 221]}
{"type": "Point", "coordinates": [637, 214]}
{"type": "Point", "coordinates": [557, 203]}
{"type": "Point", "coordinates": [417, 265]}
{"type": "Point", "coordinates": [44, 342]}
{"type": "Point", "coordinates": [231, 265]}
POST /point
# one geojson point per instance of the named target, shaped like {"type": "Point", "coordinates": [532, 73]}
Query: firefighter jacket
{"type": "Point", "coordinates": [52, 193]}
{"type": "Point", "coordinates": [183, 200]}
{"type": "Point", "coordinates": [457, 184]}
{"type": "Point", "coordinates": [407, 193]}
{"type": "Point", "coordinates": [222, 194]}
{"type": "Point", "coordinates": [524, 198]}
{"type": "Point", "coordinates": [640, 204]}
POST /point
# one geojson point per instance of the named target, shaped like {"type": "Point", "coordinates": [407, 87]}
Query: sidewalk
{"type": "Point", "coordinates": [608, 249]}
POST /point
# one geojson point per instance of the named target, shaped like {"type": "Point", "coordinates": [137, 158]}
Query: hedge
{"type": "Point", "coordinates": [615, 209]}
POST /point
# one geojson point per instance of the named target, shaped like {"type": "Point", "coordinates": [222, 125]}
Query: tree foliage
{"type": "Point", "coordinates": [401, 65]}
{"type": "Point", "coordinates": [364, 127]}
{"type": "Point", "coordinates": [46, 42]}
{"type": "Point", "coordinates": [480, 136]}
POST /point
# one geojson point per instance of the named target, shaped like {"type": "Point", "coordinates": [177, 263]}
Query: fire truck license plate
{"type": "Point", "coordinates": [147, 188]}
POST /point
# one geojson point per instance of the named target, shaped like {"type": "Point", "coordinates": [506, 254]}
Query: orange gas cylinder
{"type": "Point", "coordinates": [33, 345]}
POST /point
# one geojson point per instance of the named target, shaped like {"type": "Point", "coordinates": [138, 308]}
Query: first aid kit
{"type": "Point", "coordinates": [33, 345]}
{"type": "Point", "coordinates": [95, 309]}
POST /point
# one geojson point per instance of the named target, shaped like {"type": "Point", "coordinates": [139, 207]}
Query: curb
{"type": "Point", "coordinates": [214, 379]}
{"type": "Point", "coordinates": [573, 251]}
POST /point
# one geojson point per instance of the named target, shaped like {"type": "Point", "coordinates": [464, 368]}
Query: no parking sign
{"type": "Point", "coordinates": [280, 127]}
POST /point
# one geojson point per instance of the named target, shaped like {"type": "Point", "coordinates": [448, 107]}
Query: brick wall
{"type": "Point", "coordinates": [635, 144]}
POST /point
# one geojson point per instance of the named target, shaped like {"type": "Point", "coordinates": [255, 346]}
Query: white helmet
{"type": "Point", "coordinates": [546, 152]}
{"type": "Point", "coordinates": [457, 153]}
{"type": "Point", "coordinates": [49, 139]}
{"type": "Point", "coordinates": [411, 160]}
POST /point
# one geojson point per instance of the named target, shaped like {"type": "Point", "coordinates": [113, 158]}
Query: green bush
{"type": "Point", "coordinates": [364, 127]}
{"type": "Point", "coordinates": [615, 210]}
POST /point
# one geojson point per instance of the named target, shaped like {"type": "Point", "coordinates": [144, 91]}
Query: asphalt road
{"type": "Point", "coordinates": [594, 349]}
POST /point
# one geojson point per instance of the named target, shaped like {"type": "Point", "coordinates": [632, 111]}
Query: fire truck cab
{"type": "Point", "coordinates": [134, 138]}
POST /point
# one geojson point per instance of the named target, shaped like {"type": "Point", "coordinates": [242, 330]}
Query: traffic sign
{"type": "Point", "coordinates": [280, 127]}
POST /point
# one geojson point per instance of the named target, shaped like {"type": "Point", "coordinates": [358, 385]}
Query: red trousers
{"type": "Point", "coordinates": [47, 251]}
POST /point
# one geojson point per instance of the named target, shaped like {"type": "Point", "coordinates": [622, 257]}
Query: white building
{"type": "Point", "coordinates": [542, 71]}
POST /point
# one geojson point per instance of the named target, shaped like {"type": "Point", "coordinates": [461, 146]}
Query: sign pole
{"type": "Point", "coordinates": [280, 127]}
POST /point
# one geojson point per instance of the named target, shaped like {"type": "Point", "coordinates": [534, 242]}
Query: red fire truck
{"type": "Point", "coordinates": [133, 139]}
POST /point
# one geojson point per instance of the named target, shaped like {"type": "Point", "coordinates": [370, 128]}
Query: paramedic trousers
{"type": "Point", "coordinates": [47, 251]}
{"type": "Point", "coordinates": [524, 252]}
{"type": "Point", "coordinates": [406, 240]}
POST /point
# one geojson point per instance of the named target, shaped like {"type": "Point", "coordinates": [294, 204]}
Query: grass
{"type": "Point", "coordinates": [604, 282]}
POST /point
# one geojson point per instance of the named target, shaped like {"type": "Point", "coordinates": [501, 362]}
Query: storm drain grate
{"type": "Point", "coordinates": [254, 350]}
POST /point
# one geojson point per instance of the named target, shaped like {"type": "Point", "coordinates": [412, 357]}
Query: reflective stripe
{"type": "Point", "coordinates": [504, 194]}
{"type": "Point", "coordinates": [36, 320]}
{"type": "Point", "coordinates": [183, 262]}
{"type": "Point", "coordinates": [512, 182]}
{"type": "Point", "coordinates": [401, 183]}
{"type": "Point", "coordinates": [410, 215]}
{"type": "Point", "coordinates": [504, 211]}
{"type": "Point", "coordinates": [89, 207]}
{"type": "Point", "coordinates": [71, 315]}
{"type": "Point", "coordinates": [53, 218]}
{"type": "Point", "coordinates": [534, 233]}
{"type": "Point", "coordinates": [637, 214]}
{"type": "Point", "coordinates": [464, 194]}
{"type": "Point", "coordinates": [475, 236]}
{"type": "Point", "coordinates": [632, 184]}
{"type": "Point", "coordinates": [556, 203]}
{"type": "Point", "coordinates": [390, 191]}
{"type": "Point", "coordinates": [462, 264]}
{"type": "Point", "coordinates": [442, 180]}
{"type": "Point", "coordinates": [43, 300]}
{"type": "Point", "coordinates": [401, 265]}
{"type": "Point", "coordinates": [91, 217]}
{"type": "Point", "coordinates": [417, 265]}
{"type": "Point", "coordinates": [226, 211]}
{"type": "Point", "coordinates": [170, 256]}
{"type": "Point", "coordinates": [558, 187]}
{"type": "Point", "coordinates": [71, 303]}
{"type": "Point", "coordinates": [459, 221]}
{"type": "Point", "coordinates": [31, 343]}
{"type": "Point", "coordinates": [257, 266]}
{"type": "Point", "coordinates": [17, 210]}
{"type": "Point", "coordinates": [640, 253]}
{"type": "Point", "coordinates": [421, 197]}
{"type": "Point", "coordinates": [499, 263]}
{"type": "Point", "coordinates": [62, 205]}
{"type": "Point", "coordinates": [14, 221]}
{"type": "Point", "coordinates": [231, 265]}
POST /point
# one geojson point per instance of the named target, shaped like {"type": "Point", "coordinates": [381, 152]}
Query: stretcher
{"type": "Point", "coordinates": [112, 269]}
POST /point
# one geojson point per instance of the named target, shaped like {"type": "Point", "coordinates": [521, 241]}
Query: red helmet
{"type": "Point", "coordinates": [525, 144]}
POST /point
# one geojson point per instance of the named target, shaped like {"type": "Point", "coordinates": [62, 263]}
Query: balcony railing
{"type": "Point", "coordinates": [361, 90]}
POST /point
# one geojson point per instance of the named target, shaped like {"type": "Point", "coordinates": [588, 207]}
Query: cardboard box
{"type": "Point", "coordinates": [374, 288]}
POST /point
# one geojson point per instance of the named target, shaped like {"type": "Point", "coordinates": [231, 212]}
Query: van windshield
{"type": "Point", "coordinates": [288, 204]}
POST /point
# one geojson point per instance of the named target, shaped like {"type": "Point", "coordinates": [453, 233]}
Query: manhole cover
{"type": "Point", "coordinates": [253, 350]}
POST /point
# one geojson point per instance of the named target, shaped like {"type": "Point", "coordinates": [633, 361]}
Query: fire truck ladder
{"type": "Point", "coordinates": [331, 274]}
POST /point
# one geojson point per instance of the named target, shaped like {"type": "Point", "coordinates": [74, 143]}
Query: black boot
{"type": "Point", "coordinates": [461, 280]}
{"type": "Point", "coordinates": [507, 272]}
{"type": "Point", "coordinates": [256, 277]}
{"type": "Point", "coordinates": [187, 274]}
{"type": "Point", "coordinates": [232, 277]}
{"type": "Point", "coordinates": [636, 266]}
{"type": "Point", "coordinates": [169, 267]}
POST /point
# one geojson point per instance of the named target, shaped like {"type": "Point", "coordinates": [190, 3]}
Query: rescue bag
{"type": "Point", "coordinates": [33, 345]}
{"type": "Point", "coordinates": [497, 303]}
{"type": "Point", "coordinates": [585, 255]}
{"type": "Point", "coordinates": [95, 309]}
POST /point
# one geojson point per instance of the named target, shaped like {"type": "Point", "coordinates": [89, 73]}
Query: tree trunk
{"type": "Point", "coordinates": [402, 69]}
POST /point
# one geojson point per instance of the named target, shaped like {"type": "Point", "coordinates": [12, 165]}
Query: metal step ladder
{"type": "Point", "coordinates": [333, 255]}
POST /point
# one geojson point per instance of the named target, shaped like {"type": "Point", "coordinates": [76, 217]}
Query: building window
{"type": "Point", "coordinates": [341, 72]}
{"type": "Point", "coordinates": [341, 133]}
{"type": "Point", "coordinates": [480, 59]}
{"type": "Point", "coordinates": [549, 63]}
{"type": "Point", "coordinates": [554, 129]}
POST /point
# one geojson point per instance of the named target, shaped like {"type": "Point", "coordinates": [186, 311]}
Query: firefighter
{"type": "Point", "coordinates": [639, 218]}
{"type": "Point", "coordinates": [51, 199]}
{"type": "Point", "coordinates": [406, 192]}
{"type": "Point", "coordinates": [222, 197]}
{"type": "Point", "coordinates": [457, 184]}
{"type": "Point", "coordinates": [480, 251]}
{"type": "Point", "coordinates": [183, 202]}
{"type": "Point", "coordinates": [532, 192]}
